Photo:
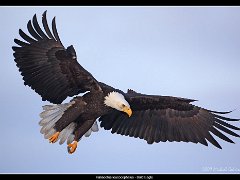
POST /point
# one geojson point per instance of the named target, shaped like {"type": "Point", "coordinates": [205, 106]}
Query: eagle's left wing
{"type": "Point", "coordinates": [47, 66]}
{"type": "Point", "coordinates": [164, 118]}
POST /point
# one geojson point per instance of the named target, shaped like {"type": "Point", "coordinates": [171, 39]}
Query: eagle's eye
{"type": "Point", "coordinates": [123, 105]}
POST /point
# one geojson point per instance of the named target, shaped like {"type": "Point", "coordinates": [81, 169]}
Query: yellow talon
{"type": "Point", "coordinates": [54, 137]}
{"type": "Point", "coordinates": [72, 147]}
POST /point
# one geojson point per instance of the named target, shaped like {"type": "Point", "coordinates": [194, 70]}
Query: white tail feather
{"type": "Point", "coordinates": [49, 107]}
{"type": "Point", "coordinates": [94, 127]}
{"type": "Point", "coordinates": [49, 133]}
{"type": "Point", "coordinates": [48, 118]}
{"type": "Point", "coordinates": [48, 113]}
{"type": "Point", "coordinates": [71, 139]}
{"type": "Point", "coordinates": [88, 133]}
{"type": "Point", "coordinates": [47, 126]}
{"type": "Point", "coordinates": [66, 132]}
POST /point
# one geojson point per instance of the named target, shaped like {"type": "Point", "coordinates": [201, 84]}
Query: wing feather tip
{"type": "Point", "coordinates": [44, 13]}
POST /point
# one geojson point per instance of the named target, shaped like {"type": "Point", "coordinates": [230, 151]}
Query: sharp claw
{"type": "Point", "coordinates": [54, 137]}
{"type": "Point", "coordinates": [72, 147]}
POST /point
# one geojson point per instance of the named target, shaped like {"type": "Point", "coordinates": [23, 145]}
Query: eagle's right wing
{"type": "Point", "coordinates": [47, 67]}
{"type": "Point", "coordinates": [164, 118]}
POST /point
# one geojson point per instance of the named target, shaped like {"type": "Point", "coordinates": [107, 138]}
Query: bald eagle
{"type": "Point", "coordinates": [53, 72]}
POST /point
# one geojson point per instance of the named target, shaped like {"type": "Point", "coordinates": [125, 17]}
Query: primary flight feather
{"type": "Point", "coordinates": [53, 72]}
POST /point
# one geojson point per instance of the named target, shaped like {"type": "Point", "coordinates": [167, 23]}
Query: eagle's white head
{"type": "Point", "coordinates": [117, 101]}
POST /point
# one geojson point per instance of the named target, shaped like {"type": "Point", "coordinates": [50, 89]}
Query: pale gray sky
{"type": "Point", "coordinates": [190, 52]}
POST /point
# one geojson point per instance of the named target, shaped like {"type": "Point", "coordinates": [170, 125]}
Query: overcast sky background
{"type": "Point", "coordinates": [191, 52]}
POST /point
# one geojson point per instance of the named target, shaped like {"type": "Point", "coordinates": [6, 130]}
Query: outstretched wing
{"type": "Point", "coordinates": [162, 118]}
{"type": "Point", "coordinates": [47, 67]}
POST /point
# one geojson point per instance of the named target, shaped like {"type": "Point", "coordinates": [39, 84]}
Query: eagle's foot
{"type": "Point", "coordinates": [72, 147]}
{"type": "Point", "coordinates": [54, 137]}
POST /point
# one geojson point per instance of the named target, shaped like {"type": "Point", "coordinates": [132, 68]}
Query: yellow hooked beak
{"type": "Point", "coordinates": [127, 110]}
